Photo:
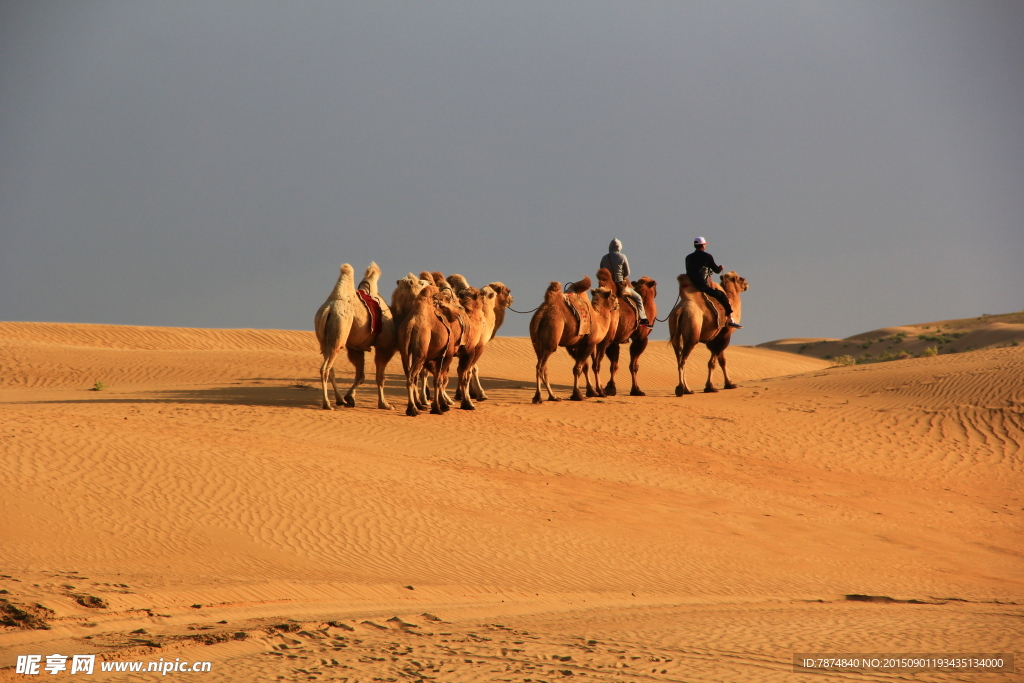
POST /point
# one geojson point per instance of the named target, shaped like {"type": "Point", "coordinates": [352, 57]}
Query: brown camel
{"type": "Point", "coordinates": [503, 300]}
{"type": "Point", "coordinates": [479, 307]}
{"type": "Point", "coordinates": [554, 324]}
{"type": "Point", "coordinates": [494, 315]}
{"type": "Point", "coordinates": [629, 329]}
{"type": "Point", "coordinates": [431, 333]}
{"type": "Point", "coordinates": [604, 280]}
{"type": "Point", "coordinates": [446, 297]}
{"type": "Point", "coordinates": [343, 321]}
{"type": "Point", "coordinates": [700, 319]}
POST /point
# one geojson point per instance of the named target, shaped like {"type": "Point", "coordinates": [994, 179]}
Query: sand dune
{"type": "Point", "coordinates": [203, 497]}
{"type": "Point", "coordinates": [945, 336]}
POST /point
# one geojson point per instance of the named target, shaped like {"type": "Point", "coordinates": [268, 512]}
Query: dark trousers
{"type": "Point", "coordinates": [718, 295]}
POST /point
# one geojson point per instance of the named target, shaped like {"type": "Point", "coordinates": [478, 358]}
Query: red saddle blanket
{"type": "Point", "coordinates": [373, 306]}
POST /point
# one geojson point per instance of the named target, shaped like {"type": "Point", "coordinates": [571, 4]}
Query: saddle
{"type": "Point", "coordinates": [712, 305]}
{"type": "Point", "coordinates": [716, 307]}
{"type": "Point", "coordinates": [373, 307]}
{"type": "Point", "coordinates": [580, 308]}
{"type": "Point", "coordinates": [634, 305]}
{"type": "Point", "coordinates": [443, 316]}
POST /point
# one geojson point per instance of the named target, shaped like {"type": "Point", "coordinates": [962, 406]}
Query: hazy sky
{"type": "Point", "coordinates": [210, 164]}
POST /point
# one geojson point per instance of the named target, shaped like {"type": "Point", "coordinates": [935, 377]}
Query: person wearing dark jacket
{"type": "Point", "coordinates": [617, 263]}
{"type": "Point", "coordinates": [699, 267]}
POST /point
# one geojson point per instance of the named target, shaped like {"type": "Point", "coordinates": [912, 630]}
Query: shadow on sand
{"type": "Point", "coordinates": [301, 393]}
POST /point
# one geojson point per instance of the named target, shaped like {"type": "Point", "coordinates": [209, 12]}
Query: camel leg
{"type": "Point", "coordinates": [613, 366]}
{"type": "Point", "coordinates": [327, 372]}
{"type": "Point", "coordinates": [436, 401]}
{"type": "Point", "coordinates": [589, 393]}
{"type": "Point", "coordinates": [725, 373]}
{"type": "Point", "coordinates": [542, 377]}
{"type": "Point", "coordinates": [334, 383]}
{"type": "Point", "coordinates": [412, 390]}
{"type": "Point", "coordinates": [636, 348]}
{"type": "Point", "coordinates": [547, 385]}
{"type": "Point", "coordinates": [444, 400]}
{"type": "Point", "coordinates": [380, 361]}
{"type": "Point", "coordinates": [423, 391]}
{"type": "Point", "coordinates": [476, 390]}
{"type": "Point", "coordinates": [357, 358]}
{"type": "Point", "coordinates": [717, 347]}
{"type": "Point", "coordinates": [681, 355]}
{"type": "Point", "coordinates": [709, 388]}
{"type": "Point", "coordinates": [577, 370]}
{"type": "Point", "coordinates": [597, 389]}
{"type": "Point", "coordinates": [465, 371]}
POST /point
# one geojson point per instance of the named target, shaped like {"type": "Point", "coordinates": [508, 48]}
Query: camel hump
{"type": "Point", "coordinates": [439, 280]}
{"type": "Point", "coordinates": [370, 277]}
{"type": "Point", "coordinates": [580, 286]}
{"type": "Point", "coordinates": [553, 293]}
{"type": "Point", "coordinates": [604, 279]}
{"type": "Point", "coordinates": [458, 282]}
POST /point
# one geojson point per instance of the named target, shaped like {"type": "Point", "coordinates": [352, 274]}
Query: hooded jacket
{"type": "Point", "coordinates": [615, 261]}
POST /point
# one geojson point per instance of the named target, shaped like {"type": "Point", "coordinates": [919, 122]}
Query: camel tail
{"type": "Point", "coordinates": [328, 329]}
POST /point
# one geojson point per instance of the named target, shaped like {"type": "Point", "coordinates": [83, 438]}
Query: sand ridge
{"type": "Point", "coordinates": [720, 532]}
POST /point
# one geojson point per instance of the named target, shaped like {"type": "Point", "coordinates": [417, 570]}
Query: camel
{"type": "Point", "coordinates": [604, 280]}
{"type": "Point", "coordinates": [629, 329]}
{"type": "Point", "coordinates": [554, 325]}
{"type": "Point", "coordinates": [494, 316]}
{"type": "Point", "coordinates": [446, 296]}
{"type": "Point", "coordinates": [343, 321]}
{"type": "Point", "coordinates": [431, 333]}
{"type": "Point", "coordinates": [700, 319]}
{"type": "Point", "coordinates": [478, 305]}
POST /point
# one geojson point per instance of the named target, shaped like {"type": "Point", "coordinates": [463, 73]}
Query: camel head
{"type": "Point", "coordinates": [734, 280]}
{"type": "Point", "coordinates": [458, 283]}
{"type": "Point", "coordinates": [488, 299]}
{"type": "Point", "coordinates": [409, 287]}
{"type": "Point", "coordinates": [504, 295]}
{"type": "Point", "coordinates": [604, 299]}
{"type": "Point", "coordinates": [646, 283]}
{"type": "Point", "coordinates": [471, 299]}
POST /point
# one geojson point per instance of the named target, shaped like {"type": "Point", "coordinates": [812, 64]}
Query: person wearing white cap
{"type": "Point", "coordinates": [699, 266]}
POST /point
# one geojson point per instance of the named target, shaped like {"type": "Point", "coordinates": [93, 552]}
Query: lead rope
{"type": "Point", "coordinates": [661, 320]}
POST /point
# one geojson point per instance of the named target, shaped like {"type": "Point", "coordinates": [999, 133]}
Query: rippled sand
{"type": "Point", "coordinates": [702, 538]}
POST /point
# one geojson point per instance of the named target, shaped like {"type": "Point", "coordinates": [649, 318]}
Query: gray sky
{"type": "Point", "coordinates": [210, 164]}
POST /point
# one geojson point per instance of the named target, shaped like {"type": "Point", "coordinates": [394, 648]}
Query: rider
{"type": "Point", "coordinates": [616, 262]}
{"type": "Point", "coordinates": [699, 266]}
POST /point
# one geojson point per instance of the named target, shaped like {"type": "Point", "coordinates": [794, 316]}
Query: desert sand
{"type": "Point", "coordinates": [200, 506]}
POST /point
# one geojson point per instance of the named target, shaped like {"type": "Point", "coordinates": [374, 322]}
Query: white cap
{"type": "Point", "coordinates": [699, 240]}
